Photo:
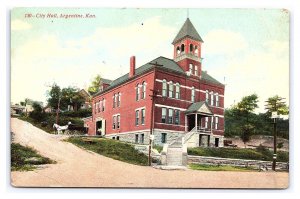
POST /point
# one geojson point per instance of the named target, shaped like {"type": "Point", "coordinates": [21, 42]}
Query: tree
{"type": "Point", "coordinates": [38, 113]}
{"type": "Point", "coordinates": [275, 104]}
{"type": "Point", "coordinates": [70, 96]}
{"type": "Point", "coordinates": [94, 88]}
{"type": "Point", "coordinates": [247, 105]}
{"type": "Point", "coordinates": [53, 96]}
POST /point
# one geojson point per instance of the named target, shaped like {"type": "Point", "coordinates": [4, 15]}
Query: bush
{"type": "Point", "coordinates": [80, 113]}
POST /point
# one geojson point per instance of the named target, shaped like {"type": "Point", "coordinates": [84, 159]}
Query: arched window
{"type": "Point", "coordinates": [177, 91]}
{"type": "Point", "coordinates": [206, 96]}
{"type": "Point", "coordinates": [144, 90]}
{"type": "Point", "coordinates": [196, 70]}
{"type": "Point", "coordinates": [196, 50]}
{"type": "Point", "coordinates": [217, 100]}
{"type": "Point", "coordinates": [191, 48]}
{"type": "Point", "coordinates": [137, 92]}
{"type": "Point", "coordinates": [178, 50]}
{"type": "Point", "coordinates": [191, 68]}
{"type": "Point", "coordinates": [164, 88]}
{"type": "Point", "coordinates": [182, 47]}
{"type": "Point", "coordinates": [193, 95]}
{"type": "Point", "coordinates": [171, 89]}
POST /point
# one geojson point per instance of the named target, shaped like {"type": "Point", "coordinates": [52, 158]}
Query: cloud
{"type": "Point", "coordinates": [224, 42]}
{"type": "Point", "coordinates": [20, 25]}
{"type": "Point", "coordinates": [264, 72]}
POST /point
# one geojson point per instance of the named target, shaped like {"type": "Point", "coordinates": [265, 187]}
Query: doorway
{"type": "Point", "coordinates": [216, 142]}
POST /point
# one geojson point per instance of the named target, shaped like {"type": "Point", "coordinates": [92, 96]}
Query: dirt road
{"type": "Point", "coordinates": [79, 168]}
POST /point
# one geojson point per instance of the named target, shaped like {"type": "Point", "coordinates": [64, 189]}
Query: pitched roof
{"type": "Point", "coordinates": [187, 30]}
{"type": "Point", "coordinates": [200, 107]}
{"type": "Point", "coordinates": [167, 64]}
{"type": "Point", "coordinates": [106, 81]}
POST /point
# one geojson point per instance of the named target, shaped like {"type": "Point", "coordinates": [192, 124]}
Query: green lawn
{"type": "Point", "coordinates": [239, 153]}
{"type": "Point", "coordinates": [26, 158]}
{"type": "Point", "coordinates": [112, 149]}
{"type": "Point", "coordinates": [205, 167]}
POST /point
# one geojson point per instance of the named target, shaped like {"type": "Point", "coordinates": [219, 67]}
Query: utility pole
{"type": "Point", "coordinates": [153, 97]}
{"type": "Point", "coordinates": [272, 106]}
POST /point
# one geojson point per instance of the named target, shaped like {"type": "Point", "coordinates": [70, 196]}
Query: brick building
{"type": "Point", "coordinates": [186, 99]}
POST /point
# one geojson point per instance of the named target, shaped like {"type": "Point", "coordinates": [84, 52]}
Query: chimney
{"type": "Point", "coordinates": [132, 67]}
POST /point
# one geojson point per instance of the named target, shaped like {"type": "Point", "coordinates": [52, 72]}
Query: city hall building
{"type": "Point", "coordinates": [164, 97]}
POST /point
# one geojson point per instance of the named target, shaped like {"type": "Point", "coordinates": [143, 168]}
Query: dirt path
{"type": "Point", "coordinates": [79, 168]}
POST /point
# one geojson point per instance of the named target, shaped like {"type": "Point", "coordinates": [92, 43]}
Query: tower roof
{"type": "Point", "coordinates": [187, 30]}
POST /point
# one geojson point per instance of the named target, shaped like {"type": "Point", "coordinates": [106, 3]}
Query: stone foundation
{"type": "Point", "coordinates": [131, 137]}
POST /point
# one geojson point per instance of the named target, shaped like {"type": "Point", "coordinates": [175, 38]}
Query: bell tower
{"type": "Point", "coordinates": [187, 49]}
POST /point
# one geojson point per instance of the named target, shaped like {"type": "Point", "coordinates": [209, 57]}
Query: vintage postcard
{"type": "Point", "coordinates": [150, 98]}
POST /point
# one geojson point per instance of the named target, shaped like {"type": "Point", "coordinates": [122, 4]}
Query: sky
{"type": "Point", "coordinates": [246, 49]}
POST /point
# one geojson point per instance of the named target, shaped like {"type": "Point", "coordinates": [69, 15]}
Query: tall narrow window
{"type": "Point", "coordinates": [182, 48]}
{"type": "Point", "coordinates": [217, 100]}
{"type": "Point", "coordinates": [137, 92]}
{"type": "Point", "coordinates": [211, 98]}
{"type": "Point", "coordinates": [177, 91]}
{"type": "Point", "coordinates": [118, 121]}
{"type": "Point", "coordinates": [170, 116]}
{"type": "Point", "coordinates": [103, 104]}
{"type": "Point", "coordinates": [196, 70]}
{"type": "Point", "coordinates": [163, 115]}
{"type": "Point", "coordinates": [136, 138]}
{"type": "Point", "coordinates": [95, 108]}
{"type": "Point", "coordinates": [119, 99]}
{"type": "Point", "coordinates": [196, 50]}
{"type": "Point", "coordinates": [163, 138]}
{"type": "Point", "coordinates": [142, 138]}
{"type": "Point", "coordinates": [115, 101]}
{"type": "Point", "coordinates": [144, 90]}
{"type": "Point", "coordinates": [206, 96]}
{"type": "Point", "coordinates": [216, 122]}
{"type": "Point", "coordinates": [100, 107]}
{"type": "Point", "coordinates": [114, 122]}
{"type": "Point", "coordinates": [191, 48]}
{"type": "Point", "coordinates": [171, 89]}
{"type": "Point", "coordinates": [178, 50]}
{"type": "Point", "coordinates": [193, 95]}
{"type": "Point", "coordinates": [206, 122]}
{"type": "Point", "coordinates": [137, 117]}
{"type": "Point", "coordinates": [164, 88]}
{"type": "Point", "coordinates": [177, 116]}
{"type": "Point", "coordinates": [191, 68]}
{"type": "Point", "coordinates": [143, 116]}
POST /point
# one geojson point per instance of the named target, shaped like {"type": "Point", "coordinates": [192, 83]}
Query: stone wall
{"type": "Point", "coordinates": [257, 164]}
{"type": "Point", "coordinates": [170, 137]}
{"type": "Point", "coordinates": [130, 137]}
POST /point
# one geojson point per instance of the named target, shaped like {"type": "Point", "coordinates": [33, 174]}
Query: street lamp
{"type": "Point", "coordinates": [272, 106]}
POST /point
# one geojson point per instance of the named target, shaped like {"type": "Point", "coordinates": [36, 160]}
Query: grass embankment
{"type": "Point", "coordinates": [112, 149]}
{"type": "Point", "coordinates": [26, 158]}
{"type": "Point", "coordinates": [260, 153]}
{"type": "Point", "coordinates": [205, 167]}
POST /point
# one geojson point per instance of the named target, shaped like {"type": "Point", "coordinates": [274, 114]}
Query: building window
{"type": "Point", "coordinates": [196, 70]}
{"type": "Point", "coordinates": [217, 100]}
{"type": "Point", "coordinates": [144, 90]}
{"type": "Point", "coordinates": [103, 104]}
{"type": "Point", "coordinates": [191, 68]}
{"type": "Point", "coordinates": [164, 88]}
{"type": "Point", "coordinates": [100, 107]}
{"type": "Point", "coordinates": [216, 122]}
{"type": "Point", "coordinates": [114, 122]}
{"type": "Point", "coordinates": [177, 116]}
{"type": "Point", "coordinates": [118, 121]}
{"type": "Point", "coordinates": [170, 116]}
{"type": "Point", "coordinates": [137, 92]}
{"type": "Point", "coordinates": [115, 100]}
{"type": "Point", "coordinates": [142, 138]}
{"type": "Point", "coordinates": [171, 89]}
{"type": "Point", "coordinates": [182, 47]}
{"type": "Point", "coordinates": [119, 99]}
{"type": "Point", "coordinates": [177, 91]}
{"type": "Point", "coordinates": [163, 115]}
{"type": "Point", "coordinates": [206, 96]}
{"type": "Point", "coordinates": [206, 122]}
{"type": "Point", "coordinates": [196, 50]}
{"type": "Point", "coordinates": [211, 122]}
{"type": "Point", "coordinates": [163, 138]}
{"type": "Point", "coordinates": [137, 117]}
{"type": "Point", "coordinates": [118, 138]}
{"type": "Point", "coordinates": [191, 48]}
{"type": "Point", "coordinates": [136, 138]}
{"type": "Point", "coordinates": [178, 50]}
{"type": "Point", "coordinates": [143, 116]}
{"type": "Point", "coordinates": [211, 98]}
{"type": "Point", "coordinates": [193, 95]}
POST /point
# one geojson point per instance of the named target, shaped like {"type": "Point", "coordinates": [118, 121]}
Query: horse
{"type": "Point", "coordinates": [61, 129]}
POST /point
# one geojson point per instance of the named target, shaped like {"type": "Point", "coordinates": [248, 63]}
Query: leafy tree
{"type": "Point", "coordinates": [38, 113]}
{"type": "Point", "coordinates": [53, 96]}
{"type": "Point", "coordinates": [70, 96]}
{"type": "Point", "coordinates": [247, 105]}
{"type": "Point", "coordinates": [94, 88]}
{"type": "Point", "coordinates": [275, 103]}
